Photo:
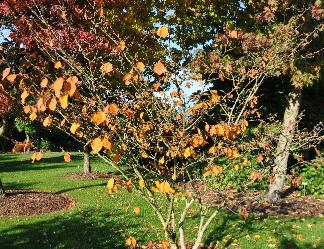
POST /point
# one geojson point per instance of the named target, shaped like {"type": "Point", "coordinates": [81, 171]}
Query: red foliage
{"type": "Point", "coordinates": [5, 103]}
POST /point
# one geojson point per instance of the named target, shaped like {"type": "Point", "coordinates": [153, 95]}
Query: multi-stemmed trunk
{"type": "Point", "coordinates": [86, 160]}
{"type": "Point", "coordinates": [282, 151]}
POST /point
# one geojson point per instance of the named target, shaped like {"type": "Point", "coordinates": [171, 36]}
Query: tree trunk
{"type": "Point", "coordinates": [282, 152]}
{"type": "Point", "coordinates": [2, 191]}
{"type": "Point", "coordinates": [86, 160]}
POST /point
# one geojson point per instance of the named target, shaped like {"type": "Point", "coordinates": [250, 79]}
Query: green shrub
{"type": "Point", "coordinates": [312, 173]}
{"type": "Point", "coordinates": [46, 145]}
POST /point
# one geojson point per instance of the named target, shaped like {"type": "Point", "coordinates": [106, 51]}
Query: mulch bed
{"type": "Point", "coordinates": [254, 202]}
{"type": "Point", "coordinates": [29, 203]}
{"type": "Point", "coordinates": [89, 176]}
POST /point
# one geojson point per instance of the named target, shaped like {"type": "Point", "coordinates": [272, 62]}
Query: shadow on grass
{"type": "Point", "coordinates": [14, 163]}
{"type": "Point", "coordinates": [86, 230]}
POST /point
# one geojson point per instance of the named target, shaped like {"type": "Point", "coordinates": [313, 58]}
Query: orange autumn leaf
{"type": "Point", "coordinates": [217, 170]}
{"type": "Point", "coordinates": [121, 46]}
{"type": "Point", "coordinates": [233, 34]}
{"type": "Point", "coordinates": [260, 158]}
{"type": "Point", "coordinates": [163, 32]}
{"type": "Point", "coordinates": [113, 108]}
{"type": "Point", "coordinates": [101, 11]}
{"type": "Point", "coordinates": [70, 88]}
{"type": "Point", "coordinates": [96, 145]}
{"type": "Point", "coordinates": [253, 73]}
{"type": "Point", "coordinates": [11, 78]}
{"type": "Point", "coordinates": [37, 156]}
{"type": "Point", "coordinates": [64, 101]}
{"type": "Point", "coordinates": [27, 109]}
{"type": "Point", "coordinates": [67, 157]}
{"type": "Point", "coordinates": [57, 86]}
{"type": "Point", "coordinates": [44, 83]}
{"type": "Point", "coordinates": [98, 117]}
{"type": "Point", "coordinates": [137, 210]}
{"type": "Point", "coordinates": [140, 66]}
{"type": "Point", "coordinates": [131, 242]}
{"type": "Point", "coordinates": [159, 68]}
{"type": "Point", "coordinates": [5, 73]}
{"type": "Point", "coordinates": [52, 104]}
{"type": "Point", "coordinates": [40, 105]}
{"type": "Point", "coordinates": [24, 95]}
{"type": "Point", "coordinates": [244, 213]}
{"type": "Point", "coordinates": [165, 245]}
{"type": "Point", "coordinates": [106, 144]}
{"type": "Point", "coordinates": [57, 65]}
{"type": "Point", "coordinates": [47, 121]}
{"type": "Point", "coordinates": [106, 68]}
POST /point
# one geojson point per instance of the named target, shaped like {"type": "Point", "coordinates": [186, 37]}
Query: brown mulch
{"type": "Point", "coordinates": [293, 204]}
{"type": "Point", "coordinates": [29, 203]}
{"type": "Point", "coordinates": [89, 176]}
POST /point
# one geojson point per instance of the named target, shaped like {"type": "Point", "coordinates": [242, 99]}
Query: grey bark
{"type": "Point", "coordinates": [86, 160]}
{"type": "Point", "coordinates": [282, 151]}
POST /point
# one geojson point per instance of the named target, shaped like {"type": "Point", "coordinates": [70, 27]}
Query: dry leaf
{"type": "Point", "coordinates": [163, 32]}
{"type": "Point", "coordinates": [67, 157]}
{"type": "Point", "coordinates": [52, 104]}
{"type": "Point", "coordinates": [47, 121]}
{"type": "Point", "coordinates": [57, 65]}
{"type": "Point", "coordinates": [74, 128]}
{"type": "Point", "coordinates": [131, 242]}
{"type": "Point", "coordinates": [140, 66]}
{"type": "Point", "coordinates": [44, 83]}
{"type": "Point", "coordinates": [37, 156]}
{"type": "Point", "coordinates": [106, 68]}
{"type": "Point", "coordinates": [98, 117]}
{"type": "Point", "coordinates": [11, 78]}
{"type": "Point", "coordinates": [64, 101]}
{"type": "Point", "coordinates": [159, 68]}
{"type": "Point", "coordinates": [24, 95]}
{"type": "Point", "coordinates": [96, 145]}
{"type": "Point", "coordinates": [5, 73]}
{"type": "Point", "coordinates": [137, 210]}
{"type": "Point", "coordinates": [57, 86]}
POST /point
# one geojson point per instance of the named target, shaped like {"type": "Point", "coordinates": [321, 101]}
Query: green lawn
{"type": "Point", "coordinates": [102, 221]}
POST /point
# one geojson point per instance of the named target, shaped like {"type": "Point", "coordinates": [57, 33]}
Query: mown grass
{"type": "Point", "coordinates": [102, 221]}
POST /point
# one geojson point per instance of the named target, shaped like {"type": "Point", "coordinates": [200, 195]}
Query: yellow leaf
{"type": "Point", "coordinates": [57, 65]}
{"type": "Point", "coordinates": [131, 242]}
{"type": "Point", "coordinates": [37, 156]}
{"type": "Point", "coordinates": [74, 128]}
{"type": "Point", "coordinates": [163, 32]}
{"type": "Point", "coordinates": [110, 185]}
{"type": "Point", "coordinates": [106, 68]}
{"type": "Point", "coordinates": [5, 73]}
{"type": "Point", "coordinates": [52, 104]}
{"type": "Point", "coordinates": [70, 87]}
{"type": "Point", "coordinates": [236, 167]}
{"type": "Point", "coordinates": [187, 152]}
{"type": "Point", "coordinates": [121, 46]}
{"type": "Point", "coordinates": [67, 157]}
{"type": "Point", "coordinates": [212, 150]}
{"type": "Point", "coordinates": [159, 68]}
{"type": "Point", "coordinates": [96, 145]}
{"type": "Point", "coordinates": [137, 210]}
{"type": "Point", "coordinates": [64, 101]}
{"type": "Point", "coordinates": [141, 184]}
{"type": "Point", "coordinates": [33, 116]}
{"type": "Point", "coordinates": [253, 73]}
{"type": "Point", "coordinates": [24, 95]}
{"type": "Point", "coordinates": [47, 121]}
{"type": "Point", "coordinates": [40, 105]}
{"type": "Point", "coordinates": [144, 154]}
{"type": "Point", "coordinates": [161, 161]}
{"type": "Point", "coordinates": [44, 83]}
{"type": "Point", "coordinates": [164, 187]}
{"type": "Point", "coordinates": [98, 117]}
{"type": "Point", "coordinates": [140, 66]}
